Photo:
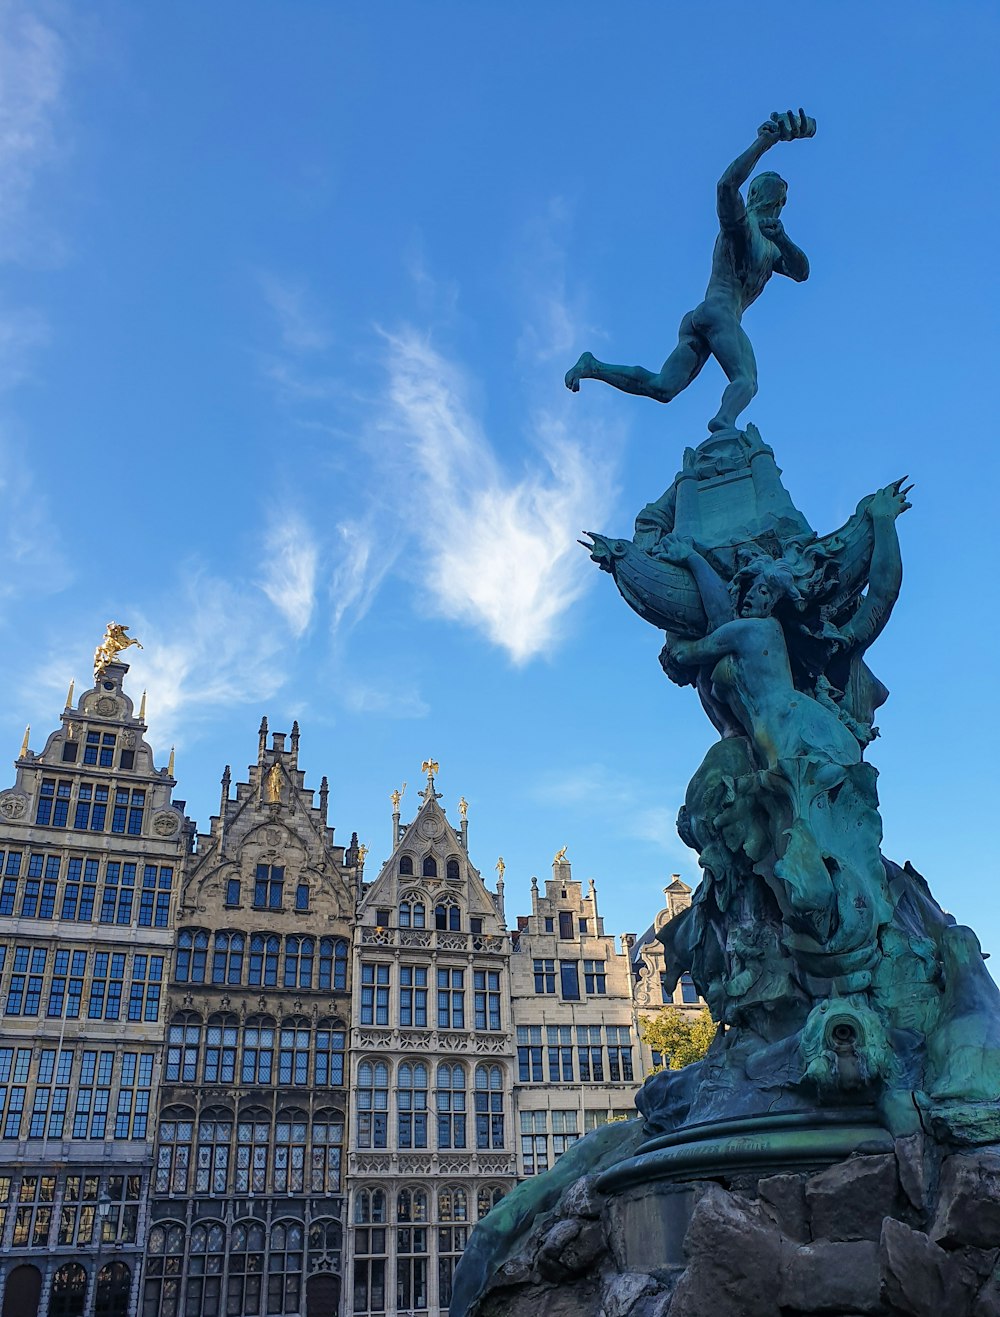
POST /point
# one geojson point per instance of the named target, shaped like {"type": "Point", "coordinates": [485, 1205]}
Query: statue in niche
{"type": "Point", "coordinates": [751, 246]}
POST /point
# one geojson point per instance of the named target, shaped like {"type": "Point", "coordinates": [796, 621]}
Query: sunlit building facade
{"type": "Point", "coordinates": [91, 851]}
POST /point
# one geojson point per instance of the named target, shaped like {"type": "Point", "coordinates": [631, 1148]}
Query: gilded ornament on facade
{"type": "Point", "coordinates": [273, 783]}
{"type": "Point", "coordinates": [114, 641]}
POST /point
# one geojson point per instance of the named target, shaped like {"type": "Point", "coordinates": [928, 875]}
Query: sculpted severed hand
{"type": "Point", "coordinates": [787, 127]}
{"type": "Point", "coordinates": [890, 502]}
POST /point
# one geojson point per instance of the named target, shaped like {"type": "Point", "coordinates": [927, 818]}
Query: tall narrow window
{"type": "Point", "coordinates": [290, 1152]}
{"type": "Point", "coordinates": [487, 990]}
{"type": "Point", "coordinates": [293, 1053]}
{"type": "Point", "coordinates": [413, 996]}
{"type": "Point", "coordinates": [489, 1107]}
{"type": "Point", "coordinates": [374, 994]}
{"type": "Point", "coordinates": [221, 1041]}
{"type": "Point", "coordinates": [411, 1250]}
{"type": "Point", "coordinates": [369, 1251]}
{"type": "Point", "coordinates": [595, 977]}
{"type": "Point", "coordinates": [258, 1053]}
{"type": "Point", "coordinates": [154, 900]}
{"type": "Point", "coordinates": [173, 1156]}
{"type": "Point", "coordinates": [325, 1157]}
{"type": "Point", "coordinates": [569, 979]}
{"type": "Point", "coordinates": [372, 1097]}
{"type": "Point", "coordinates": [268, 887]}
{"type": "Point", "coordinates": [452, 1237]}
{"type": "Point", "coordinates": [529, 1053]}
{"type": "Point", "coordinates": [451, 1112]}
{"type": "Point", "coordinates": [330, 1043]}
{"type": "Point", "coordinates": [253, 1136]}
{"type": "Point", "coordinates": [411, 1089]}
{"type": "Point", "coordinates": [451, 998]}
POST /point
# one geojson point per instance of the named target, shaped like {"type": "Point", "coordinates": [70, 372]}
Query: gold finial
{"type": "Point", "coordinates": [560, 856]}
{"type": "Point", "coordinates": [170, 763]}
{"type": "Point", "coordinates": [273, 784]}
{"type": "Point", "coordinates": [69, 695]}
{"type": "Point", "coordinates": [501, 867]}
{"type": "Point", "coordinates": [112, 644]}
{"type": "Point", "coordinates": [362, 852]}
{"type": "Point", "coordinates": [396, 797]}
{"type": "Point", "coordinates": [463, 807]}
{"type": "Point", "coordinates": [142, 708]}
{"type": "Point", "coordinates": [24, 743]}
{"type": "Point", "coordinates": [431, 767]}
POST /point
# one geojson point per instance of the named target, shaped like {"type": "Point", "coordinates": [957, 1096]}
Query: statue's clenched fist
{"type": "Point", "coordinates": [788, 126]}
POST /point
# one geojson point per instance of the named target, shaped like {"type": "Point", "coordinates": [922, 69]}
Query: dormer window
{"type": "Point", "coordinates": [100, 749]}
{"type": "Point", "coordinates": [405, 864]}
{"type": "Point", "coordinates": [302, 896]}
{"type": "Point", "coordinates": [430, 869]}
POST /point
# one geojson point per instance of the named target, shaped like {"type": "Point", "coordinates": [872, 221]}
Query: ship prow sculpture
{"type": "Point", "coordinates": [853, 1013]}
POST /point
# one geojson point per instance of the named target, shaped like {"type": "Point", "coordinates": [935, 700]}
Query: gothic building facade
{"type": "Point", "coordinates": [247, 1198]}
{"type": "Point", "coordinates": [240, 1076]}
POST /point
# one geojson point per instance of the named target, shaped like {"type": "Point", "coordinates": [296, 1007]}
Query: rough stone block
{"type": "Point", "coordinates": [830, 1277]}
{"type": "Point", "coordinates": [624, 1290]}
{"type": "Point", "coordinates": [968, 1209]}
{"type": "Point", "coordinates": [914, 1167]}
{"type": "Point", "coordinates": [733, 1254]}
{"type": "Point", "coordinates": [570, 1248]}
{"type": "Point", "coordinates": [785, 1199]}
{"type": "Point", "coordinates": [919, 1278]}
{"type": "Point", "coordinates": [851, 1200]}
{"type": "Point", "coordinates": [582, 1198]}
{"type": "Point", "coordinates": [646, 1227]}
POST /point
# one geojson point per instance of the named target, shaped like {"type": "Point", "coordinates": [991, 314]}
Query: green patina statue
{"type": "Point", "coordinates": [851, 1009]}
{"type": "Point", "coordinates": [751, 246]}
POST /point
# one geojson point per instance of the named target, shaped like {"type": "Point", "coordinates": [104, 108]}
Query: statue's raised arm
{"type": "Point", "coordinates": [751, 246]}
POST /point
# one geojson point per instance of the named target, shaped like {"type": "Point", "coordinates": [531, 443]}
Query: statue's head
{"type": "Point", "coordinates": [761, 583]}
{"type": "Point", "coordinates": [767, 193]}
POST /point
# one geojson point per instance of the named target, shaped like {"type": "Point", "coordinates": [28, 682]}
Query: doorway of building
{"type": "Point", "coordinates": [323, 1294]}
{"type": "Point", "coordinates": [22, 1292]}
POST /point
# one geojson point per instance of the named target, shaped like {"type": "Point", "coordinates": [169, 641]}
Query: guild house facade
{"type": "Point", "coordinates": [246, 1071]}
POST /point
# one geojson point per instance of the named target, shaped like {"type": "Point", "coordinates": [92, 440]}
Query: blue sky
{"type": "Point", "coordinates": [287, 292]}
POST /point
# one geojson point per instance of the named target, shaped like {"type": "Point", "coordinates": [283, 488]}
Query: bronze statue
{"type": "Point", "coordinates": [751, 246]}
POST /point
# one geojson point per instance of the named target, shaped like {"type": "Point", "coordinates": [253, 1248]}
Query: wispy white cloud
{"type": "Point", "coordinates": [498, 550]}
{"type": "Point", "coordinates": [552, 303]}
{"type": "Point", "coordinates": [291, 556]}
{"type": "Point", "coordinates": [301, 327]}
{"type": "Point", "coordinates": [32, 77]}
{"type": "Point", "coordinates": [362, 559]}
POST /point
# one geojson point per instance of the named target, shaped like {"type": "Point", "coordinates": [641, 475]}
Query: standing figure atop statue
{"type": "Point", "coordinates": [751, 246]}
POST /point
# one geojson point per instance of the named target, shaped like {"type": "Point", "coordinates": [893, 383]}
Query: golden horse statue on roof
{"type": "Point", "coordinates": [113, 642]}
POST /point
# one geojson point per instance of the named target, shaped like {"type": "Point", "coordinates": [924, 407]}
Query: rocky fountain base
{"type": "Point", "coordinates": [906, 1231]}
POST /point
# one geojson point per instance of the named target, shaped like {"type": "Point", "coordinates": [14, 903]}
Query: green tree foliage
{"type": "Point", "coordinates": [679, 1036]}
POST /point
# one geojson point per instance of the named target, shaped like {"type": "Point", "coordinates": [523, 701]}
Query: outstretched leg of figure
{"type": "Point", "coordinates": [734, 353]}
{"type": "Point", "coordinates": [675, 374]}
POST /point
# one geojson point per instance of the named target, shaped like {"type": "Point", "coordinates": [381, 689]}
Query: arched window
{"type": "Point", "coordinates": [412, 912]}
{"type": "Point", "coordinates": [451, 870]}
{"type": "Point", "coordinates": [114, 1286]}
{"type": "Point", "coordinates": [164, 1253]}
{"type": "Point", "coordinates": [293, 1053]}
{"type": "Point", "coordinates": [327, 1147]}
{"type": "Point", "coordinates": [451, 1106]}
{"type": "Point", "coordinates": [206, 1262]}
{"type": "Point", "coordinates": [299, 952]}
{"type": "Point", "coordinates": [298, 962]}
{"type": "Point", "coordinates": [215, 1137]}
{"type": "Point", "coordinates": [325, 1242]}
{"type": "Point", "coordinates": [487, 1198]}
{"type": "Point", "coordinates": [411, 1205]}
{"type": "Point", "coordinates": [489, 1107]}
{"type": "Point", "coordinates": [253, 1131]}
{"type": "Point", "coordinates": [330, 1040]}
{"type": "Point", "coordinates": [405, 864]}
{"type": "Point", "coordinates": [220, 1049]}
{"type": "Point", "coordinates": [173, 1153]}
{"type": "Point", "coordinates": [411, 1088]}
{"type": "Point", "coordinates": [429, 867]}
{"type": "Point", "coordinates": [290, 1152]}
{"type": "Point", "coordinates": [264, 960]}
{"type": "Point", "coordinates": [227, 958]}
{"type": "Point", "coordinates": [411, 1249]}
{"type": "Point", "coordinates": [258, 1051]}
{"type": "Point", "coordinates": [192, 954]}
{"type": "Point", "coordinates": [369, 1251]}
{"type": "Point", "coordinates": [453, 1204]}
{"type": "Point", "coordinates": [246, 1267]}
{"type": "Point", "coordinates": [447, 916]}
{"type": "Point", "coordinates": [452, 1237]}
{"type": "Point", "coordinates": [183, 1040]}
{"type": "Point", "coordinates": [332, 964]}
{"type": "Point", "coordinates": [302, 896]}
{"type": "Point", "coordinates": [373, 1104]}
{"type": "Point", "coordinates": [284, 1277]}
